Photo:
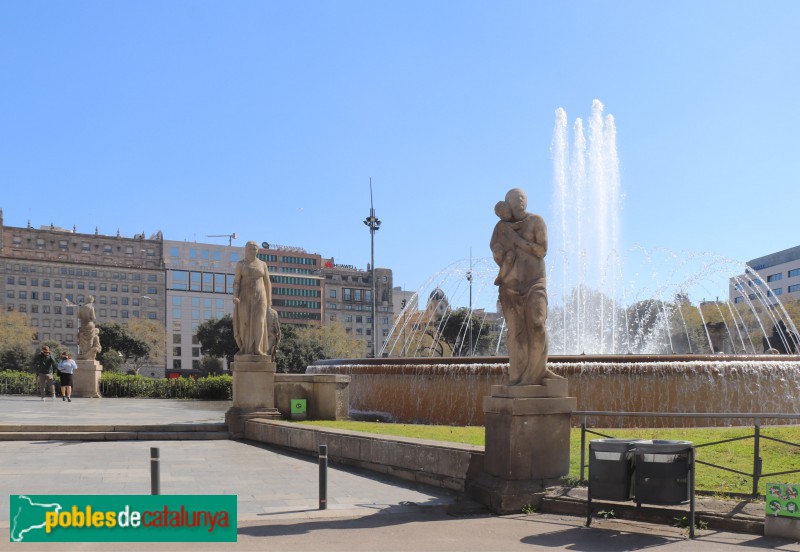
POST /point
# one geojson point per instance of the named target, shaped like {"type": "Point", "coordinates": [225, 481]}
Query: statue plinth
{"type": "Point", "coordinates": [527, 444]}
{"type": "Point", "coordinates": [253, 392]}
{"type": "Point", "coordinates": [86, 379]}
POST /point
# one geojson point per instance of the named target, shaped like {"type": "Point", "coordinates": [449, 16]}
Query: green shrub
{"type": "Point", "coordinates": [115, 384]}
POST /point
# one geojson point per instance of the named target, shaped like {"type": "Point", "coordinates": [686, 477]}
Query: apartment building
{"type": "Point", "coordinates": [348, 300]}
{"type": "Point", "coordinates": [49, 271]}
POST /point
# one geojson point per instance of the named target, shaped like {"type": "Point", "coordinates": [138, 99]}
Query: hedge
{"type": "Point", "coordinates": [211, 388]}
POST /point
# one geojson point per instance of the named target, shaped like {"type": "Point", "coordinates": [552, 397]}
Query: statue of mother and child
{"type": "Point", "coordinates": [519, 245]}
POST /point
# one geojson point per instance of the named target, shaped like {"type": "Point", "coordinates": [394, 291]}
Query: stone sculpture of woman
{"type": "Point", "coordinates": [87, 330]}
{"type": "Point", "coordinates": [519, 245]}
{"type": "Point", "coordinates": [252, 297]}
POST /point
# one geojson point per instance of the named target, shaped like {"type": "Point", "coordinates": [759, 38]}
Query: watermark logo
{"type": "Point", "coordinates": [123, 518]}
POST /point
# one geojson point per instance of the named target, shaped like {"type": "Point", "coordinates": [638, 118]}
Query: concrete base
{"type": "Point", "coordinates": [785, 527]}
{"type": "Point", "coordinates": [527, 445]}
{"type": "Point", "coordinates": [235, 418]}
{"type": "Point", "coordinates": [86, 379]}
{"type": "Point", "coordinates": [253, 392]}
{"type": "Point", "coordinates": [253, 382]}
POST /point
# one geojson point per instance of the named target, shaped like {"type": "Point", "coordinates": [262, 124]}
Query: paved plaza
{"type": "Point", "coordinates": [278, 492]}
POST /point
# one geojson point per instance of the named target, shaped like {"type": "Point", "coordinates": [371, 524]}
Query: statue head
{"type": "Point", "coordinates": [502, 210]}
{"type": "Point", "coordinates": [90, 299]}
{"type": "Point", "coordinates": [250, 250]}
{"type": "Point", "coordinates": [517, 202]}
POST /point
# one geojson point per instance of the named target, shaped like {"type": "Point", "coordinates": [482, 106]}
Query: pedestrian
{"type": "Point", "coordinates": [66, 367]}
{"type": "Point", "coordinates": [45, 368]}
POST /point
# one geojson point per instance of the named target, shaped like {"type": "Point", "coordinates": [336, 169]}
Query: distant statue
{"type": "Point", "coordinates": [274, 331]}
{"type": "Point", "coordinates": [252, 297]}
{"type": "Point", "coordinates": [87, 332]}
{"type": "Point", "coordinates": [519, 245]}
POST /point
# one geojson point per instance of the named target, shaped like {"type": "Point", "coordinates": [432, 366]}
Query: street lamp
{"type": "Point", "coordinates": [403, 308]}
{"type": "Point", "coordinates": [374, 225]}
{"type": "Point", "coordinates": [469, 314]}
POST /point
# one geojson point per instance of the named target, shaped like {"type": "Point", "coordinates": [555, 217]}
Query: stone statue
{"type": "Point", "coordinates": [274, 331]}
{"type": "Point", "coordinates": [87, 332]}
{"type": "Point", "coordinates": [252, 297]}
{"type": "Point", "coordinates": [519, 245]}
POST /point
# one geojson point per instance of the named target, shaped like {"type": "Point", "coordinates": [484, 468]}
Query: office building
{"type": "Point", "coordinates": [776, 275]}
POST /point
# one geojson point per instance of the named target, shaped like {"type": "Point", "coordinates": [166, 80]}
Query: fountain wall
{"type": "Point", "coordinates": [450, 391]}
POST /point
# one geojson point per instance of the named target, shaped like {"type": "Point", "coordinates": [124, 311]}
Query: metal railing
{"type": "Point", "coordinates": [756, 475]}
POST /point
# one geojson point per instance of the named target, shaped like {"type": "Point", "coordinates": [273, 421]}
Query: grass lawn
{"type": "Point", "coordinates": [737, 455]}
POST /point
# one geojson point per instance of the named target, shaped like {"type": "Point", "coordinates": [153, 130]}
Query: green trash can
{"type": "Point", "coordinates": [298, 410]}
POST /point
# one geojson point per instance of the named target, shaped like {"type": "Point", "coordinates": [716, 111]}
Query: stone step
{"type": "Point", "coordinates": [113, 432]}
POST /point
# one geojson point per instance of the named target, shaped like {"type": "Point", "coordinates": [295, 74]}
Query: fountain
{"type": "Point", "coordinates": [596, 321]}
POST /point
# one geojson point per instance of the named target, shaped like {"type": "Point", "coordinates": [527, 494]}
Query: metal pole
{"type": "Point", "coordinates": [323, 477]}
{"type": "Point", "coordinates": [155, 478]}
{"type": "Point", "coordinates": [583, 447]}
{"type": "Point", "coordinates": [756, 457]}
{"type": "Point", "coordinates": [374, 225]}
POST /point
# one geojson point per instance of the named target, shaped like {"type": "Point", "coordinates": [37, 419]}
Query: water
{"type": "Point", "coordinates": [602, 299]}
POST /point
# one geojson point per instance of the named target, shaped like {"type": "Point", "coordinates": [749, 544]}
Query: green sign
{"type": "Point", "coordinates": [298, 406]}
{"type": "Point", "coordinates": [782, 500]}
{"type": "Point", "coordinates": [123, 518]}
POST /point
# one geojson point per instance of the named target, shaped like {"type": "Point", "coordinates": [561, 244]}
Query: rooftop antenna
{"type": "Point", "coordinates": [230, 237]}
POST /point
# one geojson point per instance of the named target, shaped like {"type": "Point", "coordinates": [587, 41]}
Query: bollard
{"type": "Point", "coordinates": [155, 479]}
{"type": "Point", "coordinates": [323, 477]}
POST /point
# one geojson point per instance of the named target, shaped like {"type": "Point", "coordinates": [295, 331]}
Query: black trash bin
{"type": "Point", "coordinates": [662, 474]}
{"type": "Point", "coordinates": [611, 463]}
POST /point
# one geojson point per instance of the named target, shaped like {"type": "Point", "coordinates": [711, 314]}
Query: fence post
{"type": "Point", "coordinates": [583, 446]}
{"type": "Point", "coordinates": [756, 457]}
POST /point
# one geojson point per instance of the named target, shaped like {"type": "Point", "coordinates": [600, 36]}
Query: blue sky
{"type": "Point", "coordinates": [269, 118]}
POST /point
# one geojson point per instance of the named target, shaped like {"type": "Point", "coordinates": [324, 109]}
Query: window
{"type": "Point", "coordinates": [795, 272]}
{"type": "Point", "coordinates": [234, 257]}
{"type": "Point", "coordinates": [152, 291]}
{"type": "Point", "coordinates": [332, 294]}
{"type": "Point", "coordinates": [85, 246]}
{"type": "Point", "coordinates": [176, 351]}
{"type": "Point", "coordinates": [357, 295]}
{"type": "Point", "coordinates": [176, 364]}
{"type": "Point", "coordinates": [208, 281]}
{"type": "Point", "coordinates": [195, 281]}
{"type": "Point", "coordinates": [152, 316]}
{"type": "Point", "coordinates": [173, 252]}
{"type": "Point", "coordinates": [180, 279]}
{"type": "Point", "coordinates": [774, 277]}
{"type": "Point", "coordinates": [34, 281]}
{"type": "Point", "coordinates": [152, 278]}
{"type": "Point", "coordinates": [794, 288]}
{"type": "Point", "coordinates": [347, 294]}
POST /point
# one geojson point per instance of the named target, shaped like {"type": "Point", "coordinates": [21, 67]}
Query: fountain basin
{"type": "Point", "coordinates": [450, 391]}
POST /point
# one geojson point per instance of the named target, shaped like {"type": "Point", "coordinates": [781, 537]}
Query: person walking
{"type": "Point", "coordinates": [66, 367]}
{"type": "Point", "coordinates": [45, 366]}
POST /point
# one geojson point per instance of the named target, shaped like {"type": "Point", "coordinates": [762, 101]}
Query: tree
{"type": "Point", "coordinates": [294, 353]}
{"type": "Point", "coordinates": [111, 359]}
{"type": "Point", "coordinates": [153, 334]}
{"type": "Point", "coordinates": [211, 366]}
{"type": "Point", "coordinates": [301, 347]}
{"type": "Point", "coordinates": [15, 334]}
{"type": "Point", "coordinates": [15, 357]}
{"type": "Point", "coordinates": [216, 338]}
{"type": "Point", "coordinates": [455, 331]}
{"type": "Point", "coordinates": [119, 338]}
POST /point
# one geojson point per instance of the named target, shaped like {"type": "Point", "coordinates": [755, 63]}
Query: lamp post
{"type": "Point", "coordinates": [374, 225]}
{"type": "Point", "coordinates": [403, 307]}
{"type": "Point", "coordinates": [469, 314]}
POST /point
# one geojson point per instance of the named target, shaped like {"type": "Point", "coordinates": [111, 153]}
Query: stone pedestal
{"type": "Point", "coordinates": [253, 392]}
{"type": "Point", "coordinates": [86, 379]}
{"type": "Point", "coordinates": [527, 444]}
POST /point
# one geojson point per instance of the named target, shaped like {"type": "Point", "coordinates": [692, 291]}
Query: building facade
{"type": "Point", "coordinates": [296, 283]}
{"type": "Point", "coordinates": [776, 275]}
{"type": "Point", "coordinates": [199, 285]}
{"type": "Point", "coordinates": [49, 271]}
{"type": "Point", "coordinates": [348, 300]}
